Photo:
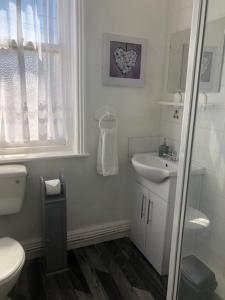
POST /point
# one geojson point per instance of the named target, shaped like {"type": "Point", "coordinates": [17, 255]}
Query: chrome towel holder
{"type": "Point", "coordinates": [108, 116]}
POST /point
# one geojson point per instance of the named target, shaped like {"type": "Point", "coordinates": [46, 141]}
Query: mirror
{"type": "Point", "coordinates": [212, 59]}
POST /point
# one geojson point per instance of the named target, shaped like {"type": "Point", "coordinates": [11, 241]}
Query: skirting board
{"type": "Point", "coordinates": [82, 237]}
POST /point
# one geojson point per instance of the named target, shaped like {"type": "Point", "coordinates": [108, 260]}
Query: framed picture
{"type": "Point", "coordinates": [123, 61]}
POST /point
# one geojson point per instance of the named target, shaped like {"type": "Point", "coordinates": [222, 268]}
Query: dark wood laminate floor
{"type": "Point", "coordinates": [113, 270]}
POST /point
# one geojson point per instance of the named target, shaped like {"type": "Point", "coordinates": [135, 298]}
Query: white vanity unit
{"type": "Point", "coordinates": [153, 206]}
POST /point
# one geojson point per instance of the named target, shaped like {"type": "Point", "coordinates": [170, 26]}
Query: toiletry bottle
{"type": "Point", "coordinates": [163, 149]}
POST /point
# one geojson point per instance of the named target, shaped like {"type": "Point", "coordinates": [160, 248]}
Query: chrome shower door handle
{"type": "Point", "coordinates": [142, 206]}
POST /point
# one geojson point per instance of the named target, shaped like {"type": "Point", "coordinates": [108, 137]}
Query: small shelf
{"type": "Point", "coordinates": [181, 104]}
{"type": "Point", "coordinates": [178, 104]}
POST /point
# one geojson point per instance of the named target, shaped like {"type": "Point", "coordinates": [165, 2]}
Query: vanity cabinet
{"type": "Point", "coordinates": [156, 230]}
{"type": "Point", "coordinates": [150, 225]}
{"type": "Point", "coordinates": [153, 210]}
{"type": "Point", "coordinates": [139, 207]}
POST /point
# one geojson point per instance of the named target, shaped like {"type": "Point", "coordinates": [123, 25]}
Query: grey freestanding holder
{"type": "Point", "coordinates": [54, 229]}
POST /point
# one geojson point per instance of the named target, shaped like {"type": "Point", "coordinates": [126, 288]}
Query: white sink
{"type": "Point", "coordinates": [153, 167]}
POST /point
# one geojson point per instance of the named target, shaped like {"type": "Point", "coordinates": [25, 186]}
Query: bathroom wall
{"type": "Point", "coordinates": [92, 199]}
{"type": "Point", "coordinates": [179, 19]}
{"type": "Point", "coordinates": [209, 151]}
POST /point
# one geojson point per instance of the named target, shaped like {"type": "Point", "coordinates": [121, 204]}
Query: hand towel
{"type": "Point", "coordinates": [107, 159]}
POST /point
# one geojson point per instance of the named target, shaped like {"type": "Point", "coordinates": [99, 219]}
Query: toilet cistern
{"type": "Point", "coordinates": [12, 254]}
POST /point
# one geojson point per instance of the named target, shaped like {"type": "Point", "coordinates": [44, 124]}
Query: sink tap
{"type": "Point", "coordinates": [171, 155]}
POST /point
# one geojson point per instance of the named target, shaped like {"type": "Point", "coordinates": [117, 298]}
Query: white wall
{"type": "Point", "coordinates": [179, 19]}
{"type": "Point", "coordinates": [93, 199]}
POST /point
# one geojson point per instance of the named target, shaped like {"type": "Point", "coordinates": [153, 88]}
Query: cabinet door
{"type": "Point", "coordinates": [55, 236]}
{"type": "Point", "coordinates": [138, 221]}
{"type": "Point", "coordinates": [156, 231]}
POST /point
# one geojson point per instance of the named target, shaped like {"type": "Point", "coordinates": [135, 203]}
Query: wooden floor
{"type": "Point", "coordinates": [114, 270]}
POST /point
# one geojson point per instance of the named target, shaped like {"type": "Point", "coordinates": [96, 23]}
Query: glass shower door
{"type": "Point", "coordinates": [202, 267]}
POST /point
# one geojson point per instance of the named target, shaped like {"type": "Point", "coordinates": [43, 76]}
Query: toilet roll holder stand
{"type": "Point", "coordinates": [54, 216]}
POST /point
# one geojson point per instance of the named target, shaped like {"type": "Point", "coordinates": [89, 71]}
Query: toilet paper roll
{"type": "Point", "coordinates": [53, 187]}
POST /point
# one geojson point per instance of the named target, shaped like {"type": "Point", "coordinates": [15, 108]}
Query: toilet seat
{"type": "Point", "coordinates": [12, 257]}
{"type": "Point", "coordinates": [195, 219]}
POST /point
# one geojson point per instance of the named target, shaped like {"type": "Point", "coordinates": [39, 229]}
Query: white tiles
{"type": "Point", "coordinates": [209, 151]}
{"type": "Point", "coordinates": [143, 145]}
{"type": "Point", "coordinates": [171, 127]}
{"type": "Point", "coordinates": [211, 118]}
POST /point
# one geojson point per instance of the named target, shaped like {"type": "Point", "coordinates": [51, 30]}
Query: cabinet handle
{"type": "Point", "coordinates": [150, 211]}
{"type": "Point", "coordinates": [149, 203]}
{"type": "Point", "coordinates": [142, 205]}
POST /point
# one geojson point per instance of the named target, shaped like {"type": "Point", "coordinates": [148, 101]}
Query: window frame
{"type": "Point", "coordinates": [75, 107]}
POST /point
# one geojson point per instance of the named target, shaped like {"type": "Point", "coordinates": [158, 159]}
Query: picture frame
{"type": "Point", "coordinates": [210, 73]}
{"type": "Point", "coordinates": [210, 77]}
{"type": "Point", "coordinates": [123, 60]}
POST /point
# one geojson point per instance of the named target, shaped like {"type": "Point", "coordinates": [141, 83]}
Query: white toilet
{"type": "Point", "coordinates": [12, 255]}
{"type": "Point", "coordinates": [195, 222]}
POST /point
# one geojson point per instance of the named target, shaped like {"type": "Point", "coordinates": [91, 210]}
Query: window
{"type": "Point", "coordinates": [41, 96]}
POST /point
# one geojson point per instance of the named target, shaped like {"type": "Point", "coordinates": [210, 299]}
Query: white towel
{"type": "Point", "coordinates": [107, 160]}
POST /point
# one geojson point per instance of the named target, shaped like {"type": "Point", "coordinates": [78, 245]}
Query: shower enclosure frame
{"type": "Point", "coordinates": [192, 85]}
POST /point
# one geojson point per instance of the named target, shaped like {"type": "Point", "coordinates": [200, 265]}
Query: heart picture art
{"type": "Point", "coordinates": [125, 60]}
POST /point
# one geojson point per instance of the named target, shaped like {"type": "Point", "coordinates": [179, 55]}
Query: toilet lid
{"type": "Point", "coordinates": [12, 256]}
{"type": "Point", "coordinates": [196, 219]}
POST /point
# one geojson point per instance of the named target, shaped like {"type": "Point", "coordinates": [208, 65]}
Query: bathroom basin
{"type": "Point", "coordinates": [153, 167]}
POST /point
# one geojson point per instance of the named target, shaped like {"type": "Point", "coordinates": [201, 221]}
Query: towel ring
{"type": "Point", "coordinates": [107, 114]}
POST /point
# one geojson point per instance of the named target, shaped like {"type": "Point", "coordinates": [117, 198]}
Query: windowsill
{"type": "Point", "coordinates": [12, 158]}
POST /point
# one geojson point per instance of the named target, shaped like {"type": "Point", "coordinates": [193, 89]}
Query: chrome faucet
{"type": "Point", "coordinates": [171, 155]}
